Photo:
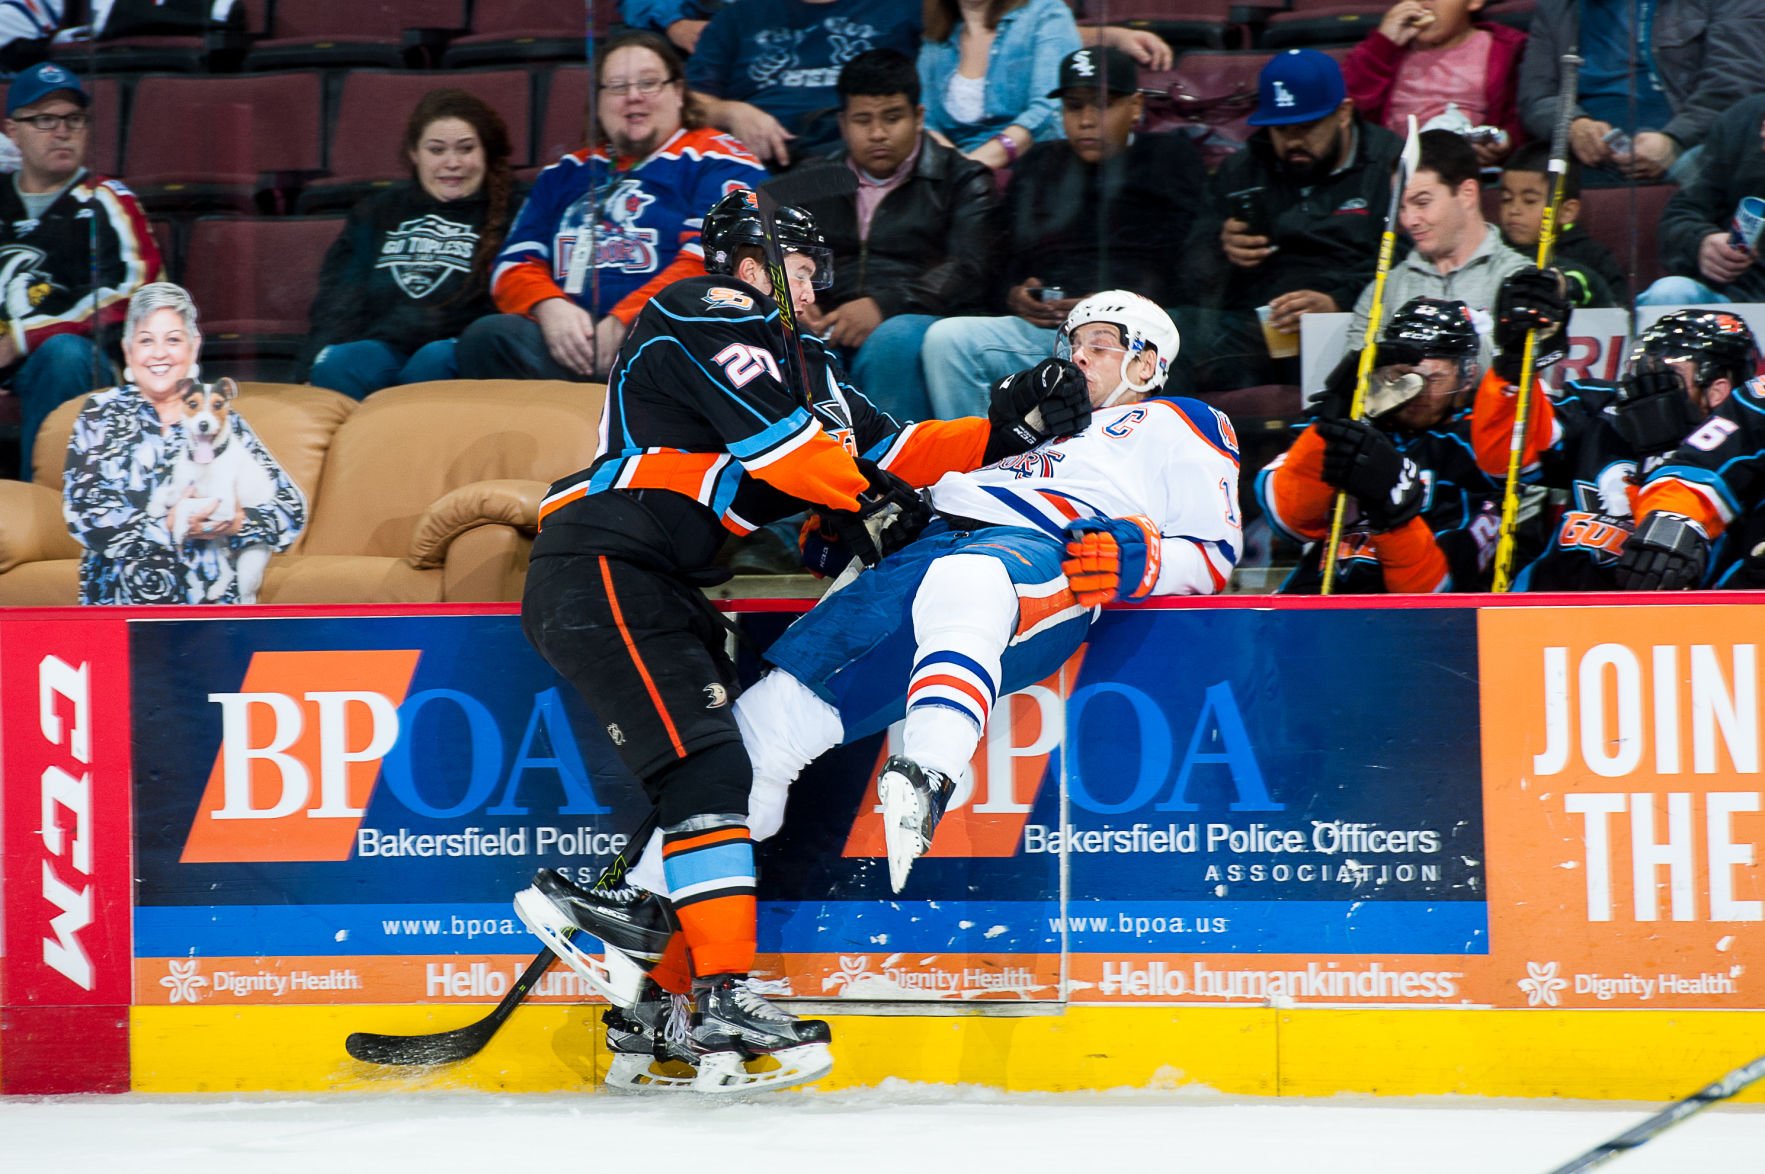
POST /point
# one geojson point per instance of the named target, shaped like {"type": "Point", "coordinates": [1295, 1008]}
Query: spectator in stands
{"type": "Point", "coordinates": [681, 21]}
{"type": "Point", "coordinates": [154, 530]}
{"type": "Point", "coordinates": [1695, 59]}
{"type": "Point", "coordinates": [411, 268]}
{"type": "Point", "coordinates": [918, 240]}
{"type": "Point", "coordinates": [60, 297]}
{"type": "Point", "coordinates": [987, 68]}
{"type": "Point", "coordinates": [1293, 223]}
{"type": "Point", "coordinates": [1706, 265]}
{"type": "Point", "coordinates": [26, 29]}
{"type": "Point", "coordinates": [1428, 59]}
{"type": "Point", "coordinates": [1103, 208]}
{"type": "Point", "coordinates": [1594, 276]}
{"type": "Point", "coordinates": [1455, 253]}
{"type": "Point", "coordinates": [608, 226]}
{"type": "Point", "coordinates": [765, 69]}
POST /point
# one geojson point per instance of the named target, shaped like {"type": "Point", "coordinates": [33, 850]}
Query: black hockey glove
{"type": "Point", "coordinates": [1361, 461]}
{"type": "Point", "coordinates": [1028, 407]}
{"type": "Point", "coordinates": [1338, 394]}
{"type": "Point", "coordinates": [1667, 553]}
{"type": "Point", "coordinates": [1652, 412]}
{"type": "Point", "coordinates": [1531, 298]}
{"type": "Point", "coordinates": [890, 514]}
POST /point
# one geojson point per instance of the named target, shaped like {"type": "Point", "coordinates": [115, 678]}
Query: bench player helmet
{"type": "Point", "coordinates": [1433, 328]}
{"type": "Point", "coordinates": [1143, 325]}
{"type": "Point", "coordinates": [735, 221]}
{"type": "Point", "coordinates": [1717, 342]}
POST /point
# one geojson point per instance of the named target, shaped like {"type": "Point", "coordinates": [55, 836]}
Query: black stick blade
{"type": "Point", "coordinates": [445, 1047]}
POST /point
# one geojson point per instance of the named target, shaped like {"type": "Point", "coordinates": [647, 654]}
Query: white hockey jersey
{"type": "Point", "coordinates": [1174, 461]}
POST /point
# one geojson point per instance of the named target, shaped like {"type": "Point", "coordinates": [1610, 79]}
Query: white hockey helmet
{"type": "Point", "coordinates": [1142, 323]}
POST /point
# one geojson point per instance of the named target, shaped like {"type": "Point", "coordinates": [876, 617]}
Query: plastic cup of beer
{"type": "Point", "coordinates": [1282, 344]}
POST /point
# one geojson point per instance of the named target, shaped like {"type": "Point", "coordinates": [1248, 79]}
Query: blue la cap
{"type": "Point", "coordinates": [1300, 85]}
{"type": "Point", "coordinates": [41, 80]}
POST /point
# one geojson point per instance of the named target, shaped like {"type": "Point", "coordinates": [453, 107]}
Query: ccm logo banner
{"type": "Point", "coordinates": [64, 737]}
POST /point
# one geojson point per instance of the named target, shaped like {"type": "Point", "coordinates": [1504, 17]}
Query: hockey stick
{"type": "Point", "coordinates": [459, 1043]}
{"type": "Point", "coordinates": [1569, 71]}
{"type": "Point", "coordinates": [1412, 152]}
{"type": "Point", "coordinates": [1672, 1115]}
{"type": "Point", "coordinates": [816, 183]}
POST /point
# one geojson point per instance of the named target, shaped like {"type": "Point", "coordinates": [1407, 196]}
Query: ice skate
{"type": "Point", "coordinates": [633, 924]}
{"type": "Point", "coordinates": [913, 801]}
{"type": "Point", "coordinates": [746, 1044]}
{"type": "Point", "coordinates": [651, 1043]}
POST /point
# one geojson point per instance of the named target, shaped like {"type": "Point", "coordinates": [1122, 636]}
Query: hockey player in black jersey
{"type": "Point", "coordinates": [1599, 440]}
{"type": "Point", "coordinates": [1698, 521]}
{"type": "Point", "coordinates": [703, 435]}
{"type": "Point", "coordinates": [1425, 494]}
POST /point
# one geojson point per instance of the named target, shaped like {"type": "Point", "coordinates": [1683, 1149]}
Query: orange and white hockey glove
{"type": "Point", "coordinates": [1112, 558]}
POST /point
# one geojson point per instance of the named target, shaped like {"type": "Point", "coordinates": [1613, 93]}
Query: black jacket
{"type": "Point", "coordinates": [1118, 224]}
{"type": "Point", "coordinates": [1597, 279]}
{"type": "Point", "coordinates": [396, 272]}
{"type": "Point", "coordinates": [934, 241]}
{"type": "Point", "coordinates": [1327, 235]}
{"type": "Point", "coordinates": [1734, 166]}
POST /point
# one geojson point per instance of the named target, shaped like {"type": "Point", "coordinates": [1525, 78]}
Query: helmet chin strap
{"type": "Point", "coordinates": [1126, 385]}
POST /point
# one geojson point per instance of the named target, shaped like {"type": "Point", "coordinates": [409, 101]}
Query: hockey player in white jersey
{"type": "Point", "coordinates": [997, 592]}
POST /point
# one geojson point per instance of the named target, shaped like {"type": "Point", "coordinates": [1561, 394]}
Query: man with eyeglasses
{"type": "Point", "coordinates": [608, 227]}
{"type": "Point", "coordinates": [1291, 227]}
{"type": "Point", "coordinates": [73, 249]}
{"type": "Point", "coordinates": [1424, 480]}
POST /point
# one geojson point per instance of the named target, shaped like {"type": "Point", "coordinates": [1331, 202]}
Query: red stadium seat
{"type": "Point", "coordinates": [1199, 23]}
{"type": "Point", "coordinates": [366, 135]}
{"type": "Point", "coordinates": [565, 126]}
{"type": "Point", "coordinates": [1627, 218]}
{"type": "Point", "coordinates": [357, 33]}
{"type": "Point", "coordinates": [253, 281]}
{"type": "Point", "coordinates": [1317, 26]}
{"type": "Point", "coordinates": [510, 31]}
{"type": "Point", "coordinates": [202, 143]}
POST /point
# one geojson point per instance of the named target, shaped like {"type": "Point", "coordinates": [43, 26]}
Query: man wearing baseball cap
{"type": "Point", "coordinates": [73, 248]}
{"type": "Point", "coordinates": [1105, 207]}
{"type": "Point", "coordinates": [1294, 222]}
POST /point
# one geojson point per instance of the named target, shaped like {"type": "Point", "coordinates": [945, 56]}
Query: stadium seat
{"type": "Point", "coordinates": [357, 33]}
{"type": "Point", "coordinates": [364, 149]}
{"type": "Point", "coordinates": [564, 128]}
{"type": "Point", "coordinates": [223, 142]}
{"type": "Point", "coordinates": [253, 280]}
{"type": "Point", "coordinates": [1315, 27]}
{"type": "Point", "coordinates": [512, 31]}
{"type": "Point", "coordinates": [1621, 217]}
{"type": "Point", "coordinates": [1203, 24]}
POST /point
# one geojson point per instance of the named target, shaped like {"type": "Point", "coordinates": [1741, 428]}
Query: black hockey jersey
{"type": "Point", "coordinates": [701, 427]}
{"type": "Point", "coordinates": [1716, 477]}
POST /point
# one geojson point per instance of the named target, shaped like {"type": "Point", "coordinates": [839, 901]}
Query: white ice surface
{"type": "Point", "coordinates": [903, 1129]}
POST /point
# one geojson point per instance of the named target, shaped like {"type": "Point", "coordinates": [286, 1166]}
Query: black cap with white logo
{"type": "Point", "coordinates": [1083, 69]}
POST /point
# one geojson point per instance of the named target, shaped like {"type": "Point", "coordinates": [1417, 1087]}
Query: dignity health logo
{"type": "Point", "coordinates": [184, 982]}
{"type": "Point", "coordinates": [1541, 984]}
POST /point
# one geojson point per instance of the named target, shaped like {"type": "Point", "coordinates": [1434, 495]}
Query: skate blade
{"type": "Point", "coordinates": [902, 815]}
{"type": "Point", "coordinates": [724, 1073]}
{"type": "Point", "coordinates": [616, 979]}
{"type": "Point", "coordinates": [646, 1075]}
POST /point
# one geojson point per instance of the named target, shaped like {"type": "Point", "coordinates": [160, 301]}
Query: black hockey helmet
{"type": "Point", "coordinates": [1441, 328]}
{"type": "Point", "coordinates": [734, 221]}
{"type": "Point", "coordinates": [1422, 328]}
{"type": "Point", "coordinates": [1718, 342]}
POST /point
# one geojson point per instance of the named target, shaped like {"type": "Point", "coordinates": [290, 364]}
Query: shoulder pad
{"type": "Point", "coordinates": [1209, 421]}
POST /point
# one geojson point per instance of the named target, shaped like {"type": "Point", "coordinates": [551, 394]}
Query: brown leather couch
{"type": "Point", "coordinates": [422, 493]}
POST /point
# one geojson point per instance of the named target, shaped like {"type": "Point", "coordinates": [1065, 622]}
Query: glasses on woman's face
{"type": "Point", "coordinates": [78, 120]}
{"type": "Point", "coordinates": [648, 87]}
